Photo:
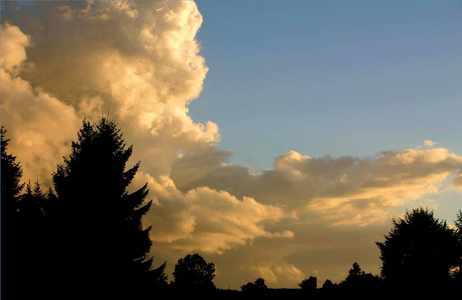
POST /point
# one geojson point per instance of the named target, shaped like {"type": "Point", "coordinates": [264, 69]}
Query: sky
{"type": "Point", "coordinates": [278, 138]}
{"type": "Point", "coordinates": [308, 76]}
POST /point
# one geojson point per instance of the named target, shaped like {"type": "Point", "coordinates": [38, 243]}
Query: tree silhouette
{"type": "Point", "coordinates": [11, 173]}
{"type": "Point", "coordinates": [457, 272]}
{"type": "Point", "coordinates": [458, 222]}
{"type": "Point", "coordinates": [328, 285]}
{"type": "Point", "coordinates": [359, 282]}
{"type": "Point", "coordinates": [355, 270]}
{"type": "Point", "coordinates": [24, 243]}
{"type": "Point", "coordinates": [34, 239]}
{"type": "Point", "coordinates": [98, 222]}
{"type": "Point", "coordinates": [257, 286]}
{"type": "Point", "coordinates": [418, 252]}
{"type": "Point", "coordinates": [31, 207]}
{"type": "Point", "coordinates": [194, 273]}
{"type": "Point", "coordinates": [309, 284]}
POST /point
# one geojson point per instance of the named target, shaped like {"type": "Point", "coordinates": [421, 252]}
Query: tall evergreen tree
{"type": "Point", "coordinates": [23, 231]}
{"type": "Point", "coordinates": [33, 243]}
{"type": "Point", "coordinates": [102, 236]}
{"type": "Point", "coordinates": [11, 173]}
{"type": "Point", "coordinates": [31, 207]}
{"type": "Point", "coordinates": [11, 187]}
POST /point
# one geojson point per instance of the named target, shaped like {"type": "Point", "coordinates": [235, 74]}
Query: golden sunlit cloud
{"type": "Point", "coordinates": [353, 190]}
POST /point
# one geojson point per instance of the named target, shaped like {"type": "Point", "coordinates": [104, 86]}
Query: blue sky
{"type": "Point", "coordinates": [332, 78]}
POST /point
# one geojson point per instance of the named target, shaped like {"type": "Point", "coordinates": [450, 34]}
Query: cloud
{"type": "Point", "coordinates": [336, 207]}
{"type": "Point", "coordinates": [42, 124]}
{"type": "Point", "coordinates": [94, 10]}
{"type": "Point", "coordinates": [429, 143]}
{"type": "Point", "coordinates": [140, 62]}
{"type": "Point", "coordinates": [204, 219]}
{"type": "Point", "coordinates": [13, 45]}
{"type": "Point", "coordinates": [137, 61]}
{"type": "Point", "coordinates": [342, 190]}
{"type": "Point", "coordinates": [272, 272]}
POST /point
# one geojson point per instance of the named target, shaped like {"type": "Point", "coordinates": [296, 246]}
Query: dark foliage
{"type": "Point", "coordinates": [328, 285]}
{"type": "Point", "coordinates": [359, 282]}
{"type": "Point", "coordinates": [23, 230]}
{"type": "Point", "coordinates": [11, 233]}
{"type": "Point", "coordinates": [256, 286]}
{"type": "Point", "coordinates": [11, 182]}
{"type": "Point", "coordinates": [309, 284]}
{"type": "Point", "coordinates": [456, 273]}
{"type": "Point", "coordinates": [98, 222]}
{"type": "Point", "coordinates": [194, 273]}
{"type": "Point", "coordinates": [419, 251]}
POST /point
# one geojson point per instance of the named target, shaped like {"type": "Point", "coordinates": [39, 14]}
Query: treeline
{"type": "Point", "coordinates": [84, 237]}
{"type": "Point", "coordinates": [421, 256]}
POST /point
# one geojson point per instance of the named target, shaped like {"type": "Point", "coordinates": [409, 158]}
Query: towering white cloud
{"type": "Point", "coordinates": [138, 61]}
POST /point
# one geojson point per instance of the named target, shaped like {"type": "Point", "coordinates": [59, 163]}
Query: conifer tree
{"type": "Point", "coordinates": [34, 242]}
{"type": "Point", "coordinates": [11, 173]}
{"type": "Point", "coordinates": [31, 207]}
{"type": "Point", "coordinates": [23, 231]}
{"type": "Point", "coordinates": [11, 187]}
{"type": "Point", "coordinates": [100, 220]}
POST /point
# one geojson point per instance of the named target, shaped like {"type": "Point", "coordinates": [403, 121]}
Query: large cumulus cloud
{"type": "Point", "coordinates": [138, 62]}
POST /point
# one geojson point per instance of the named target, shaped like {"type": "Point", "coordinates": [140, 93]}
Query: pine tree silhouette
{"type": "Point", "coordinates": [11, 188]}
{"type": "Point", "coordinates": [103, 245]}
{"type": "Point", "coordinates": [11, 173]}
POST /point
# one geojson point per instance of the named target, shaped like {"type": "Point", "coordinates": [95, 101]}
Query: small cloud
{"type": "Point", "coordinates": [429, 143]}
